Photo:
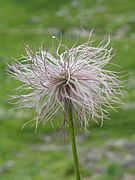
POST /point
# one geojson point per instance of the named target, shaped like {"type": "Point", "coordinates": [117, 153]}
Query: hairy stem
{"type": "Point", "coordinates": [73, 141]}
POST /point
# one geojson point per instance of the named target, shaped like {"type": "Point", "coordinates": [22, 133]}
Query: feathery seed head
{"type": "Point", "coordinates": [77, 75]}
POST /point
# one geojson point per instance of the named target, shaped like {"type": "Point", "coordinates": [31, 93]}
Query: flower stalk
{"type": "Point", "coordinates": [73, 141]}
{"type": "Point", "coordinates": [75, 79]}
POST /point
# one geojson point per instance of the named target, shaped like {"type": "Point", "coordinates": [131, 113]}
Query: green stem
{"type": "Point", "coordinates": [73, 141]}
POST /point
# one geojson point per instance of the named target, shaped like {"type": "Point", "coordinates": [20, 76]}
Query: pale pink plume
{"type": "Point", "coordinates": [77, 75]}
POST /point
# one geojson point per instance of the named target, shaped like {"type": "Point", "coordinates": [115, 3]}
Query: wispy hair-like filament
{"type": "Point", "coordinates": [78, 75]}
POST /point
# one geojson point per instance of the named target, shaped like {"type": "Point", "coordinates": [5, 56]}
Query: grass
{"type": "Point", "coordinates": [105, 16]}
{"type": "Point", "coordinates": [19, 159]}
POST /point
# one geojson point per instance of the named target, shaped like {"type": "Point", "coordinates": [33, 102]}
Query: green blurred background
{"type": "Point", "coordinates": [107, 153]}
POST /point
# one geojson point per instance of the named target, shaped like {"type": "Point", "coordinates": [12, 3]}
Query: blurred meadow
{"type": "Point", "coordinates": [106, 153]}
